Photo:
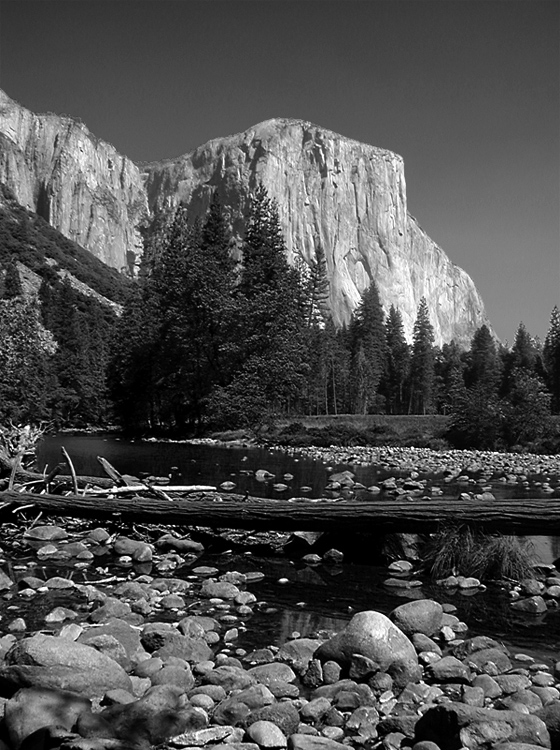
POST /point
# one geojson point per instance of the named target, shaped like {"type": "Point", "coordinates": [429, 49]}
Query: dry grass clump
{"type": "Point", "coordinates": [461, 550]}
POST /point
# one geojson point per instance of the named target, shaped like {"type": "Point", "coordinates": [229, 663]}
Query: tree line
{"type": "Point", "coordinates": [220, 335]}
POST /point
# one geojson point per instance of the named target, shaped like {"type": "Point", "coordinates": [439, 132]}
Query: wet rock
{"type": "Point", "coordinates": [219, 590]}
{"type": "Point", "coordinates": [534, 605]}
{"type": "Point", "coordinates": [421, 616]}
{"type": "Point", "coordinates": [137, 550]}
{"type": "Point", "coordinates": [372, 634]}
{"type": "Point", "coordinates": [45, 533]}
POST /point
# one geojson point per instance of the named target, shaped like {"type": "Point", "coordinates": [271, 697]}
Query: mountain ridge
{"type": "Point", "coordinates": [345, 195]}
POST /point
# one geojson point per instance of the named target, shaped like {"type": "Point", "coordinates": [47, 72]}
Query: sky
{"type": "Point", "coordinates": [466, 91]}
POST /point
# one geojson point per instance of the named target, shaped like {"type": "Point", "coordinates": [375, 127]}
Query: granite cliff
{"type": "Point", "coordinates": [345, 195]}
{"type": "Point", "coordinates": [81, 185]}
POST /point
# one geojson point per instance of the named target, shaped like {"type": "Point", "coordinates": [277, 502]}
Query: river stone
{"type": "Point", "coordinates": [31, 709]}
{"type": "Point", "coordinates": [421, 616]}
{"type": "Point", "coordinates": [150, 720]}
{"type": "Point", "coordinates": [229, 677]}
{"type": "Point", "coordinates": [112, 608]}
{"type": "Point", "coordinates": [266, 734]}
{"type": "Point", "coordinates": [125, 634]}
{"type": "Point", "coordinates": [372, 634]}
{"type": "Point", "coordinates": [46, 661]}
{"type": "Point", "coordinates": [453, 725]}
{"type": "Point", "coordinates": [166, 643]}
{"type": "Point", "coordinates": [311, 742]}
{"type": "Point", "coordinates": [534, 605]}
{"type": "Point", "coordinates": [255, 696]}
{"type": "Point", "coordinates": [179, 544]}
{"type": "Point", "coordinates": [274, 672]}
{"type": "Point", "coordinates": [219, 590]}
{"type": "Point", "coordinates": [449, 669]}
{"type": "Point", "coordinates": [298, 653]}
{"type": "Point", "coordinates": [492, 661]}
{"type": "Point", "coordinates": [45, 533]}
{"type": "Point", "coordinates": [284, 714]}
{"type": "Point", "coordinates": [551, 716]}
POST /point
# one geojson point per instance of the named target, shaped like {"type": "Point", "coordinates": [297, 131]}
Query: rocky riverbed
{"type": "Point", "coordinates": [133, 643]}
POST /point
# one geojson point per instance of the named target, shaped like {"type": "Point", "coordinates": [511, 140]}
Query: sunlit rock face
{"type": "Point", "coordinates": [78, 183]}
{"type": "Point", "coordinates": [345, 195]}
{"type": "Point", "coordinates": [331, 191]}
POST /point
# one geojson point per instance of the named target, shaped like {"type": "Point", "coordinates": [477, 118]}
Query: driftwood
{"type": "Point", "coordinates": [524, 516]}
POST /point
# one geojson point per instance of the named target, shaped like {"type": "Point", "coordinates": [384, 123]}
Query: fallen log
{"type": "Point", "coordinates": [523, 517]}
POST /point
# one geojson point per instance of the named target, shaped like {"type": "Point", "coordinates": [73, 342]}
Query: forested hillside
{"type": "Point", "coordinates": [58, 310]}
{"type": "Point", "coordinates": [203, 341]}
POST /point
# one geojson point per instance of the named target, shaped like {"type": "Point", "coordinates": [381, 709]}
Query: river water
{"type": "Point", "coordinates": [314, 598]}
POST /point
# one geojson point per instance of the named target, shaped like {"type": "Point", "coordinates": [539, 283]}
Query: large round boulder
{"type": "Point", "coordinates": [373, 635]}
{"type": "Point", "coordinates": [46, 661]}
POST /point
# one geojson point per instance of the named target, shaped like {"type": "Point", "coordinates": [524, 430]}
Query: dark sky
{"type": "Point", "coordinates": [466, 91]}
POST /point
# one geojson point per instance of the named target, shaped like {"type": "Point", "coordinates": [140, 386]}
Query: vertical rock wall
{"type": "Point", "coordinates": [79, 184]}
{"type": "Point", "coordinates": [345, 195]}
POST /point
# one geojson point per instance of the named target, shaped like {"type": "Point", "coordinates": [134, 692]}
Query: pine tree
{"type": "Point", "coordinates": [369, 350]}
{"type": "Point", "coordinates": [269, 361]}
{"type": "Point", "coordinates": [484, 367]}
{"type": "Point", "coordinates": [449, 370]}
{"type": "Point", "coordinates": [317, 289]}
{"type": "Point", "coordinates": [551, 356]}
{"type": "Point", "coordinates": [422, 363]}
{"type": "Point", "coordinates": [398, 363]}
{"type": "Point", "coordinates": [524, 352]}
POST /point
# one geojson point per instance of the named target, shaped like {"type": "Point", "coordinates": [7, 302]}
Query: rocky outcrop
{"type": "Point", "coordinates": [78, 183]}
{"type": "Point", "coordinates": [344, 195]}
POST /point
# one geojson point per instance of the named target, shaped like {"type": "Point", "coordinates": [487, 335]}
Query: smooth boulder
{"type": "Point", "coordinates": [373, 635]}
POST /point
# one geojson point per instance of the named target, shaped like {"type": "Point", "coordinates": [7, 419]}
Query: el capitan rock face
{"type": "Point", "coordinates": [345, 195]}
{"type": "Point", "coordinates": [81, 185]}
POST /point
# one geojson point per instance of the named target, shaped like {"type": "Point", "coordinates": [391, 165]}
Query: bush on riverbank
{"type": "Point", "coordinates": [461, 550]}
{"type": "Point", "coordinates": [352, 430]}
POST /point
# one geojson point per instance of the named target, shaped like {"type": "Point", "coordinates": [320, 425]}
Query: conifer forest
{"type": "Point", "coordinates": [215, 334]}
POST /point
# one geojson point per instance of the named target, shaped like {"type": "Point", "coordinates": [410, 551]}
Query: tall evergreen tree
{"type": "Point", "coordinates": [449, 370]}
{"type": "Point", "coordinates": [398, 363]}
{"type": "Point", "coordinates": [551, 356]}
{"type": "Point", "coordinates": [271, 361]}
{"type": "Point", "coordinates": [484, 368]}
{"type": "Point", "coordinates": [524, 351]}
{"type": "Point", "coordinates": [369, 350]}
{"type": "Point", "coordinates": [422, 363]}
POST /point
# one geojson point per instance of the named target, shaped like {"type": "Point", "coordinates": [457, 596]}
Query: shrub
{"type": "Point", "coordinates": [462, 550]}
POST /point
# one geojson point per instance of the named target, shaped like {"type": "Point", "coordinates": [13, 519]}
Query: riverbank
{"type": "Point", "coordinates": [121, 639]}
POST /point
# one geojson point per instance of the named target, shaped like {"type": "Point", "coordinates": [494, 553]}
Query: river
{"type": "Point", "coordinates": [319, 597]}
